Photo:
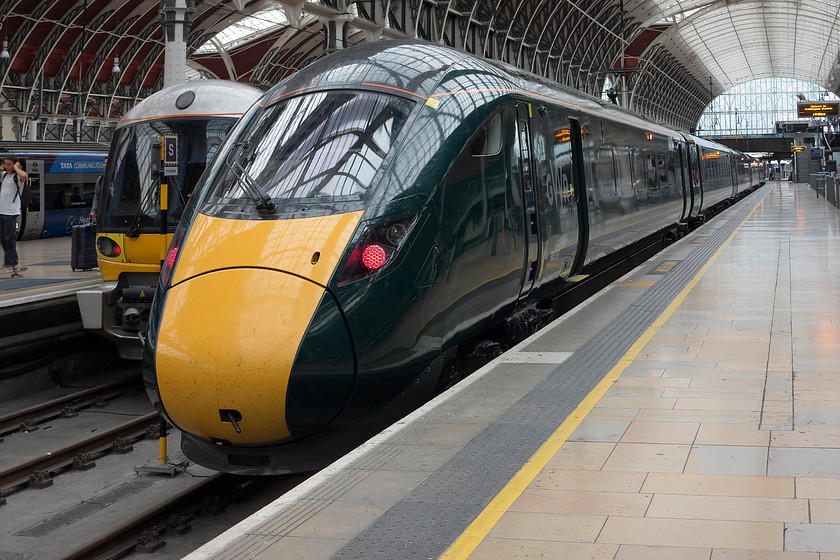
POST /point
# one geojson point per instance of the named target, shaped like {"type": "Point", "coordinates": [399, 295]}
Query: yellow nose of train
{"type": "Point", "coordinates": [247, 317]}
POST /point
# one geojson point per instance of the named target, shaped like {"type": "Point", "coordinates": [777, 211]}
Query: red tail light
{"type": "Point", "coordinates": [374, 257]}
{"type": "Point", "coordinates": [168, 264]}
{"type": "Point", "coordinates": [376, 248]}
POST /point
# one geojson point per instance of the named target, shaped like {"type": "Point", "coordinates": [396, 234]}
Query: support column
{"type": "Point", "coordinates": [176, 18]}
{"type": "Point", "coordinates": [335, 31]}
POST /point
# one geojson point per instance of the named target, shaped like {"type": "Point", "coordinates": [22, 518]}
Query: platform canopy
{"type": "Point", "coordinates": [663, 58]}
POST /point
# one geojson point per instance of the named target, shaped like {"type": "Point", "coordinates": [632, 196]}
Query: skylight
{"type": "Point", "coordinates": [245, 30]}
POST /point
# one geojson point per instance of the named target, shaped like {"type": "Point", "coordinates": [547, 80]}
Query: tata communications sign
{"type": "Point", "coordinates": [821, 109]}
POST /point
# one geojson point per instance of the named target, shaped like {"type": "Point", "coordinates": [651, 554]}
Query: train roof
{"type": "Point", "coordinates": [417, 68]}
{"type": "Point", "coordinates": [201, 98]}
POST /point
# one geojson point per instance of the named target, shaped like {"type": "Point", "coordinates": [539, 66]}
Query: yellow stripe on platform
{"type": "Point", "coordinates": [487, 519]}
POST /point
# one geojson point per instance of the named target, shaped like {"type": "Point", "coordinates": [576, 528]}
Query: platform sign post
{"type": "Point", "coordinates": [169, 157]}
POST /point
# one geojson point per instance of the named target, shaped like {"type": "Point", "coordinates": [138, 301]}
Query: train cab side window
{"type": "Point", "coordinates": [488, 142]}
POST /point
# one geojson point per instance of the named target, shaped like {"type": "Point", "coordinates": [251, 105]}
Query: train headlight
{"type": "Point", "coordinates": [396, 232]}
{"type": "Point", "coordinates": [108, 247]}
{"type": "Point", "coordinates": [376, 248]}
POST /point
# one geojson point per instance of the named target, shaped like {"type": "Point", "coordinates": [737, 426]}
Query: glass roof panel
{"type": "Point", "coordinates": [735, 41]}
{"type": "Point", "coordinates": [245, 30]}
{"type": "Point", "coordinates": [754, 107]}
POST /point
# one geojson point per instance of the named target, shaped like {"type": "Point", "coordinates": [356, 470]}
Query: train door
{"type": "Point", "coordinates": [581, 198]}
{"type": "Point", "coordinates": [696, 184]}
{"type": "Point", "coordinates": [733, 174]}
{"type": "Point", "coordinates": [683, 186]}
{"type": "Point", "coordinates": [32, 217]}
{"type": "Point", "coordinates": [526, 180]}
{"type": "Point", "coordinates": [556, 201]}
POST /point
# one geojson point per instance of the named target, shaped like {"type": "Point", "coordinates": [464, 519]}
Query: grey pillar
{"type": "Point", "coordinates": [176, 18]}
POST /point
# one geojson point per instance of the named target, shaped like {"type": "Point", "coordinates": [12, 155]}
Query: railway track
{"type": "Point", "coordinates": [29, 418]}
{"type": "Point", "coordinates": [72, 484]}
{"type": "Point", "coordinates": [147, 530]}
{"type": "Point", "coordinates": [80, 454]}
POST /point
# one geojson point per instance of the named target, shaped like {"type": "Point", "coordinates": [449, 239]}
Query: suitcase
{"type": "Point", "coordinates": [83, 251]}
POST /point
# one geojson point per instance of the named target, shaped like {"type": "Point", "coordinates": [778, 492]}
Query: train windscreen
{"type": "Point", "coordinates": [132, 200]}
{"type": "Point", "coordinates": [320, 147]}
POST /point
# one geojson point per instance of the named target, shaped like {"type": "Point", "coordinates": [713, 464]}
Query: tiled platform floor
{"type": "Point", "coordinates": [722, 440]}
{"type": "Point", "coordinates": [48, 273]}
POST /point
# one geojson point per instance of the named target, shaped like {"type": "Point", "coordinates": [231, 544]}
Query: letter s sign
{"type": "Point", "coordinates": [170, 150]}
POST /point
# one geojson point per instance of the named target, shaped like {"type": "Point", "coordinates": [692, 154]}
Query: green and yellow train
{"type": "Point", "coordinates": [375, 214]}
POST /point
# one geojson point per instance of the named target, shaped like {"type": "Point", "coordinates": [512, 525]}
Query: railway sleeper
{"type": "Point", "coordinates": [150, 540]}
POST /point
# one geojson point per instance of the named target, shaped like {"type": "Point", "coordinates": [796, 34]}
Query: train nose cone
{"type": "Point", "coordinates": [229, 341]}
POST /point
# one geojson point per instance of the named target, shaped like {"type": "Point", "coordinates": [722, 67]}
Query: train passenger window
{"type": "Point", "coordinates": [606, 171]}
{"type": "Point", "coordinates": [623, 176]}
{"type": "Point", "coordinates": [489, 139]}
{"type": "Point", "coordinates": [653, 185]}
{"type": "Point", "coordinates": [524, 143]}
{"type": "Point", "coordinates": [660, 175]}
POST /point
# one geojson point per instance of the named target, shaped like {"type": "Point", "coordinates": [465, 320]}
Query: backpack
{"type": "Point", "coordinates": [25, 194]}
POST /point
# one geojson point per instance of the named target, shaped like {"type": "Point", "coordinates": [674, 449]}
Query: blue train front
{"type": "Point", "coordinates": [363, 223]}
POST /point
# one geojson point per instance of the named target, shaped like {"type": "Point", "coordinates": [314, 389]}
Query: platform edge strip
{"type": "Point", "coordinates": [478, 530]}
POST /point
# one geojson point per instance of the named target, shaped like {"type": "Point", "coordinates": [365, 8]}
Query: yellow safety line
{"type": "Point", "coordinates": [487, 519]}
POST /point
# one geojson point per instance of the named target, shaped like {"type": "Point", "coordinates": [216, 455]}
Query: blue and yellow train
{"type": "Point", "coordinates": [375, 214]}
{"type": "Point", "coordinates": [62, 177]}
{"type": "Point", "coordinates": [134, 228]}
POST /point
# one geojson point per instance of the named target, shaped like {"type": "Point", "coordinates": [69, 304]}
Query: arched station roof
{"type": "Point", "coordinates": [664, 56]}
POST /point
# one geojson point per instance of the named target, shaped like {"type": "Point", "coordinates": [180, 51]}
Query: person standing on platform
{"type": "Point", "coordinates": [97, 191]}
{"type": "Point", "coordinates": [11, 185]}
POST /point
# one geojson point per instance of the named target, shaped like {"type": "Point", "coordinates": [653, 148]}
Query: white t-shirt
{"type": "Point", "coordinates": [9, 197]}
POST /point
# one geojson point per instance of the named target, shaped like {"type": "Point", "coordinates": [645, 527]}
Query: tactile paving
{"type": "Point", "coordinates": [439, 509]}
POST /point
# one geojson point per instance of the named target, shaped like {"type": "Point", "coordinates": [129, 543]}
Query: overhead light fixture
{"type": "Point", "coordinates": [116, 69]}
{"type": "Point", "coordinates": [4, 55]}
{"type": "Point", "coordinates": [801, 97]}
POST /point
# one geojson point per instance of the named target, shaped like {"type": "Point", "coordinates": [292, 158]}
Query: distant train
{"type": "Point", "coordinates": [62, 177]}
{"type": "Point", "coordinates": [373, 219]}
{"type": "Point", "coordinates": [195, 118]}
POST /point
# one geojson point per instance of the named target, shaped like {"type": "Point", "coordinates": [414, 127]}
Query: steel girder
{"type": "Point", "coordinates": [62, 51]}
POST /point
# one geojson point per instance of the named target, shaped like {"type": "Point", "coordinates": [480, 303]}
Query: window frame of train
{"type": "Point", "coordinates": [62, 186]}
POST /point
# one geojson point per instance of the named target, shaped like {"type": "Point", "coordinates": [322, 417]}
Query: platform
{"type": "Point", "coordinates": [48, 274]}
{"type": "Point", "coordinates": [689, 411]}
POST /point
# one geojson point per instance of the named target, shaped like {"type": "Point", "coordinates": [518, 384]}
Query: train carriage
{"type": "Point", "coordinates": [370, 221]}
{"type": "Point", "coordinates": [62, 177]}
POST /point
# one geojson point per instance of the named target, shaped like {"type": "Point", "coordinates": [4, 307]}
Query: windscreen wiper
{"type": "Point", "coordinates": [134, 229]}
{"type": "Point", "coordinates": [262, 201]}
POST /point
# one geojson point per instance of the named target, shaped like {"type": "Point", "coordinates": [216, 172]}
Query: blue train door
{"type": "Point", "coordinates": [32, 217]}
{"type": "Point", "coordinates": [526, 180]}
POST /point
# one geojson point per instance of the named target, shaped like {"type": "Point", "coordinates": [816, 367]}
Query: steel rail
{"type": "Point", "coordinates": [20, 475]}
{"type": "Point", "coordinates": [41, 412]}
{"type": "Point", "coordinates": [125, 536]}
